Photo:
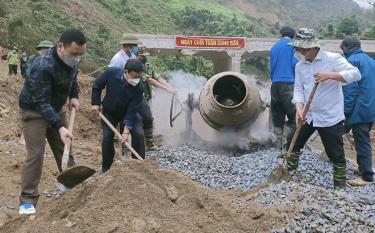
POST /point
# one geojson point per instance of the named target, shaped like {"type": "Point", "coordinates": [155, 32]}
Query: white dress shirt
{"type": "Point", "coordinates": [120, 59]}
{"type": "Point", "coordinates": [327, 107]}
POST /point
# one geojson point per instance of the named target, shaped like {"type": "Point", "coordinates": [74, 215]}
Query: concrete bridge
{"type": "Point", "coordinates": [229, 59]}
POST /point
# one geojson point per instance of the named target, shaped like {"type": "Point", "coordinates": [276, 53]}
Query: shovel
{"type": "Point", "coordinates": [280, 172]}
{"type": "Point", "coordinates": [119, 135]}
{"type": "Point", "coordinates": [75, 175]}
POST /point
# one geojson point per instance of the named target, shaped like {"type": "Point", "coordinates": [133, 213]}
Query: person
{"type": "Point", "coordinates": [359, 103]}
{"type": "Point", "coordinates": [41, 48]}
{"type": "Point", "coordinates": [282, 65]}
{"type": "Point", "coordinates": [326, 114]}
{"type": "Point", "coordinates": [123, 98]}
{"type": "Point", "coordinates": [23, 63]}
{"type": "Point", "coordinates": [50, 82]}
{"type": "Point", "coordinates": [12, 59]}
{"type": "Point", "coordinates": [129, 44]}
{"type": "Point", "coordinates": [150, 77]}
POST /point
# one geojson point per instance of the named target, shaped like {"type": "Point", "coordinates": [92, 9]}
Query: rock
{"type": "Point", "coordinates": [172, 193]}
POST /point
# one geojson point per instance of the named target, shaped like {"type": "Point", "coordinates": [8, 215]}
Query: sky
{"type": "Point", "coordinates": [363, 3]}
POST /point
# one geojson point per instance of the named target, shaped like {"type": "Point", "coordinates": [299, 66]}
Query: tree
{"type": "Point", "coordinates": [347, 26]}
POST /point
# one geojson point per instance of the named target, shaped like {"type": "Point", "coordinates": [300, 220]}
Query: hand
{"type": "Point", "coordinates": [65, 135]}
{"type": "Point", "coordinates": [171, 90]}
{"type": "Point", "coordinates": [125, 137]}
{"type": "Point", "coordinates": [299, 114]}
{"type": "Point", "coordinates": [96, 108]}
{"type": "Point", "coordinates": [323, 76]}
{"type": "Point", "coordinates": [74, 103]}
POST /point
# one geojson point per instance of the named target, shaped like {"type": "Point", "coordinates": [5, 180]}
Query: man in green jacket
{"type": "Point", "coordinates": [13, 60]}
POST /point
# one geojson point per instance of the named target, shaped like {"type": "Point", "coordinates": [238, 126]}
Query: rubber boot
{"type": "Point", "coordinates": [339, 175]}
{"type": "Point", "coordinates": [278, 131]}
{"type": "Point", "coordinates": [149, 137]}
{"type": "Point", "coordinates": [292, 161]}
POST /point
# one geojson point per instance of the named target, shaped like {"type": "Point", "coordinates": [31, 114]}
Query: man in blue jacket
{"type": "Point", "coordinates": [282, 75]}
{"type": "Point", "coordinates": [121, 103]}
{"type": "Point", "coordinates": [359, 101]}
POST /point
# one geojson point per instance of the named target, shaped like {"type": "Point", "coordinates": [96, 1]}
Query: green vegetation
{"type": "Point", "coordinates": [23, 23]}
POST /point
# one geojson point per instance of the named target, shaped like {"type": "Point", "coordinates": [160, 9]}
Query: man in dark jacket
{"type": "Point", "coordinates": [359, 101]}
{"type": "Point", "coordinates": [282, 64]}
{"type": "Point", "coordinates": [121, 103]}
{"type": "Point", "coordinates": [50, 82]}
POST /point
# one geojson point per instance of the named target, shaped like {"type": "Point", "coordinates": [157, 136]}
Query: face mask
{"type": "Point", "coordinates": [299, 56]}
{"type": "Point", "coordinates": [134, 81]}
{"type": "Point", "coordinates": [134, 50]}
{"type": "Point", "coordinates": [71, 60]}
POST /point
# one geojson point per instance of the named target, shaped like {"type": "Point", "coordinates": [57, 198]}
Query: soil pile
{"type": "Point", "coordinates": [141, 197]}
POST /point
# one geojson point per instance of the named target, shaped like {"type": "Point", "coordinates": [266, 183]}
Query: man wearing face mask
{"type": "Point", "coordinates": [129, 49]}
{"type": "Point", "coordinates": [120, 105]}
{"type": "Point", "coordinates": [326, 114]}
{"type": "Point", "coordinates": [50, 82]}
{"type": "Point", "coordinates": [359, 99]}
{"type": "Point", "coordinates": [282, 64]}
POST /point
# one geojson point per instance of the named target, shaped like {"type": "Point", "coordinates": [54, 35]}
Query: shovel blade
{"type": "Point", "coordinates": [279, 174]}
{"type": "Point", "coordinates": [75, 175]}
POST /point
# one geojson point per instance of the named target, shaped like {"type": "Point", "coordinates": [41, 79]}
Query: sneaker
{"type": "Point", "coordinates": [27, 208]}
{"type": "Point", "coordinates": [358, 182]}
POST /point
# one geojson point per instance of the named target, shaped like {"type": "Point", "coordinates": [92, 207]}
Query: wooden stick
{"type": "Point", "coordinates": [299, 126]}
{"type": "Point", "coordinates": [119, 135]}
{"type": "Point", "coordinates": [65, 158]}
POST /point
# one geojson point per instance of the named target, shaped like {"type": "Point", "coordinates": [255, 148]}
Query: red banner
{"type": "Point", "coordinates": [210, 42]}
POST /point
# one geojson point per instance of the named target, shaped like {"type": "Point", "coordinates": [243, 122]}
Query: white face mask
{"type": "Point", "coordinates": [299, 56]}
{"type": "Point", "coordinates": [134, 81]}
{"type": "Point", "coordinates": [71, 60]}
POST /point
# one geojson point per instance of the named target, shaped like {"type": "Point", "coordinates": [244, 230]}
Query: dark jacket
{"type": "Point", "coordinates": [363, 110]}
{"type": "Point", "coordinates": [121, 99]}
{"type": "Point", "coordinates": [49, 83]}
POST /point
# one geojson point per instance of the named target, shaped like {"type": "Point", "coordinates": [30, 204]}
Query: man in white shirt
{"type": "Point", "coordinates": [326, 114]}
{"type": "Point", "coordinates": [129, 49]}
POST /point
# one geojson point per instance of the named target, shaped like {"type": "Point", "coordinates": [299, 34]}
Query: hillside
{"type": "Point", "coordinates": [25, 22]}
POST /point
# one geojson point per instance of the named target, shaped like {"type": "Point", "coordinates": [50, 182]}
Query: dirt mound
{"type": "Point", "coordinates": [141, 197]}
{"type": "Point", "coordinates": [10, 88]}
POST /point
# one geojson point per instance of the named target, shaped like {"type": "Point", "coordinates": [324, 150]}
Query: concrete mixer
{"type": "Point", "coordinates": [229, 99]}
{"type": "Point", "coordinates": [230, 109]}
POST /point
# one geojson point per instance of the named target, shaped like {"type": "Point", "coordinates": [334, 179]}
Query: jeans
{"type": "Point", "coordinates": [361, 133]}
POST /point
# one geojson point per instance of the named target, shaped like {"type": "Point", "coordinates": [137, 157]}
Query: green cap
{"type": "Point", "coordinates": [45, 44]}
{"type": "Point", "coordinates": [305, 38]}
{"type": "Point", "coordinates": [129, 39]}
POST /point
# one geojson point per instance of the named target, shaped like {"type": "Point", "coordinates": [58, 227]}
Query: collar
{"type": "Point", "coordinates": [318, 57]}
{"type": "Point", "coordinates": [354, 51]}
{"type": "Point", "coordinates": [58, 59]}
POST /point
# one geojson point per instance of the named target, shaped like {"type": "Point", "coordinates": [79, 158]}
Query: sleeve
{"type": "Point", "coordinates": [74, 89]}
{"type": "Point", "coordinates": [351, 92]}
{"type": "Point", "coordinates": [97, 87]}
{"type": "Point", "coordinates": [346, 70]}
{"type": "Point", "coordinates": [298, 95]}
{"type": "Point", "coordinates": [272, 63]}
{"type": "Point", "coordinates": [39, 83]}
{"type": "Point", "coordinates": [133, 108]}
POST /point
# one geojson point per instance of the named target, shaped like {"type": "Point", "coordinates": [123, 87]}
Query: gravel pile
{"type": "Point", "coordinates": [322, 209]}
{"type": "Point", "coordinates": [220, 168]}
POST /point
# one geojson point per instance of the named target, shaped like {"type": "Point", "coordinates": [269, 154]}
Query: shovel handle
{"type": "Point", "coordinates": [119, 135]}
{"type": "Point", "coordinates": [299, 126]}
{"type": "Point", "coordinates": [65, 158]}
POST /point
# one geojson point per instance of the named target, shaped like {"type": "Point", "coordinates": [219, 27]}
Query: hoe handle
{"type": "Point", "coordinates": [65, 158]}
